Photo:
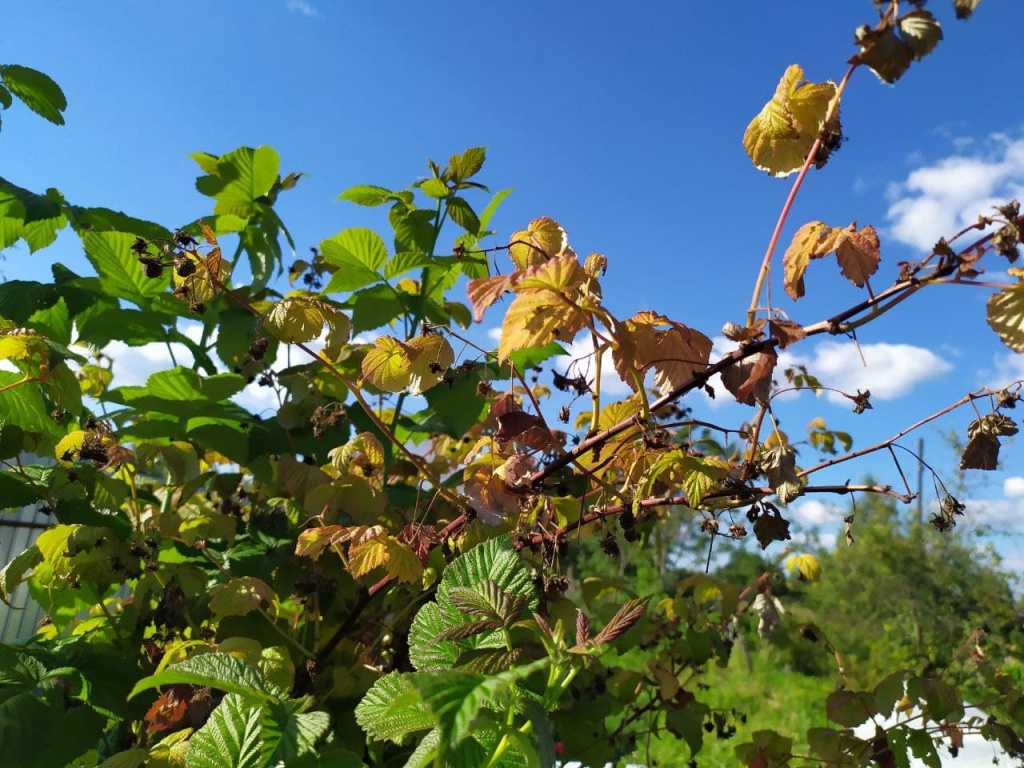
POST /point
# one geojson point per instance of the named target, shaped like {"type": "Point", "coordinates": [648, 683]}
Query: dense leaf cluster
{"type": "Point", "coordinates": [376, 570]}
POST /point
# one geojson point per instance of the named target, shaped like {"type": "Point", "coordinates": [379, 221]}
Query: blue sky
{"type": "Point", "coordinates": [625, 125]}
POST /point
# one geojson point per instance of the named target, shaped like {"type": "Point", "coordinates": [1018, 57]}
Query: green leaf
{"type": "Point", "coordinates": [264, 252]}
{"type": "Point", "coordinates": [462, 214]}
{"type": "Point", "coordinates": [401, 263]}
{"type": "Point", "coordinates": [217, 670]}
{"type": "Point", "coordinates": [288, 735]}
{"type": "Point", "coordinates": [373, 308]}
{"type": "Point", "coordinates": [492, 207]}
{"type": "Point", "coordinates": [34, 218]}
{"type": "Point", "coordinates": [22, 405]}
{"type": "Point", "coordinates": [15, 492]}
{"type": "Point", "coordinates": [239, 596]}
{"type": "Point", "coordinates": [13, 573]}
{"type": "Point", "coordinates": [37, 91]}
{"type": "Point", "coordinates": [468, 164]}
{"type": "Point", "coordinates": [393, 708]}
{"type": "Point", "coordinates": [426, 650]}
{"type": "Point", "coordinates": [229, 739]}
{"type": "Point", "coordinates": [434, 188]}
{"type": "Point", "coordinates": [850, 708]}
{"type": "Point", "coordinates": [363, 245]}
{"type": "Point", "coordinates": [366, 195]}
{"type": "Point", "coordinates": [923, 747]}
{"type": "Point", "coordinates": [239, 179]}
{"type": "Point", "coordinates": [6, 100]}
{"type": "Point", "coordinates": [121, 275]}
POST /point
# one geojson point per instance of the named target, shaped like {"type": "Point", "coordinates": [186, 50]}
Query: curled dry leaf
{"type": "Point", "coordinates": [750, 380]}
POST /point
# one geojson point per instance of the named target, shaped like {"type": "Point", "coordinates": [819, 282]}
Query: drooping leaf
{"type": "Point", "coordinates": [964, 8]}
{"type": "Point", "coordinates": [36, 90]}
{"type": "Point", "coordinates": [858, 254]}
{"type": "Point", "coordinates": [652, 341]}
{"type": "Point", "coordinates": [216, 670]}
{"type": "Point", "coordinates": [780, 137]}
{"type": "Point", "coordinates": [812, 241]}
{"type": "Point", "coordinates": [921, 32]}
{"type": "Point", "coordinates": [1006, 314]}
{"type": "Point", "coordinates": [13, 573]}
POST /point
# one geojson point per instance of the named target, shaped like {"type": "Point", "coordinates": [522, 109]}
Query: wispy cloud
{"type": "Point", "coordinates": [888, 370]}
{"type": "Point", "coordinates": [301, 6]}
{"type": "Point", "coordinates": [939, 199]}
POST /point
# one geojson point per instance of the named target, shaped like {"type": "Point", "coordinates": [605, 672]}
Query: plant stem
{"type": "Point", "coordinates": [766, 263]}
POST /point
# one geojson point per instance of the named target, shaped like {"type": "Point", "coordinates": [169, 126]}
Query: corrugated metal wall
{"type": "Point", "coordinates": [18, 532]}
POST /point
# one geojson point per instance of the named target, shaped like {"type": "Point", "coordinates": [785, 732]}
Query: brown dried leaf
{"type": "Point", "coordinates": [649, 340]}
{"type": "Point", "coordinates": [787, 332]}
{"type": "Point", "coordinates": [858, 254]}
{"type": "Point", "coordinates": [812, 241]}
{"type": "Point", "coordinates": [750, 380]}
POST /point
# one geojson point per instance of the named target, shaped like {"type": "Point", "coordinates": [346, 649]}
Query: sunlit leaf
{"type": "Point", "coordinates": [543, 239]}
{"type": "Point", "coordinates": [812, 241]}
{"type": "Point", "coordinates": [649, 340]}
{"type": "Point", "coordinates": [36, 90]}
{"type": "Point", "coordinates": [858, 254]}
{"type": "Point", "coordinates": [921, 32]}
{"type": "Point", "coordinates": [806, 567]}
{"type": "Point", "coordinates": [239, 596]}
{"type": "Point", "coordinates": [431, 356]}
{"type": "Point", "coordinates": [1006, 315]}
{"type": "Point", "coordinates": [780, 137]}
{"type": "Point", "coordinates": [964, 8]}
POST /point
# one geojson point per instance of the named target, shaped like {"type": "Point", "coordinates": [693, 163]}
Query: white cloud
{"type": "Point", "coordinates": [1007, 368]}
{"type": "Point", "coordinates": [301, 6]}
{"type": "Point", "coordinates": [888, 370]}
{"type": "Point", "coordinates": [940, 199]}
{"type": "Point", "coordinates": [1013, 487]}
{"type": "Point", "coordinates": [813, 512]}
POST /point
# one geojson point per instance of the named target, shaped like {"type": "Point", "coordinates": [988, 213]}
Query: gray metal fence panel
{"type": "Point", "coordinates": [18, 532]}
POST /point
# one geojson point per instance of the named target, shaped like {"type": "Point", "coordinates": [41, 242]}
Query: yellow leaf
{"type": "Point", "coordinates": [543, 239]}
{"type": "Point", "coordinates": [387, 365]}
{"type": "Point", "coordinates": [649, 340]}
{"type": "Point", "coordinates": [858, 254]}
{"type": "Point", "coordinates": [201, 285]}
{"type": "Point", "coordinates": [366, 555]}
{"type": "Point", "coordinates": [70, 447]}
{"type": "Point", "coordinates": [362, 456]}
{"type": "Point", "coordinates": [812, 241]}
{"type": "Point", "coordinates": [239, 596]}
{"type": "Point", "coordinates": [313, 541]}
{"type": "Point", "coordinates": [1006, 316]}
{"type": "Point", "coordinates": [779, 138]}
{"type": "Point", "coordinates": [806, 567]}
{"type": "Point", "coordinates": [21, 344]}
{"type": "Point", "coordinates": [301, 319]}
{"type": "Point", "coordinates": [433, 357]}
{"type": "Point", "coordinates": [537, 318]}
{"type": "Point", "coordinates": [94, 380]}
{"type": "Point", "coordinates": [403, 565]}
{"type": "Point", "coordinates": [561, 274]}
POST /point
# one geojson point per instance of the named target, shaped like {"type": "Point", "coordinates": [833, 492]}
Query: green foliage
{"type": "Point", "coordinates": [404, 562]}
